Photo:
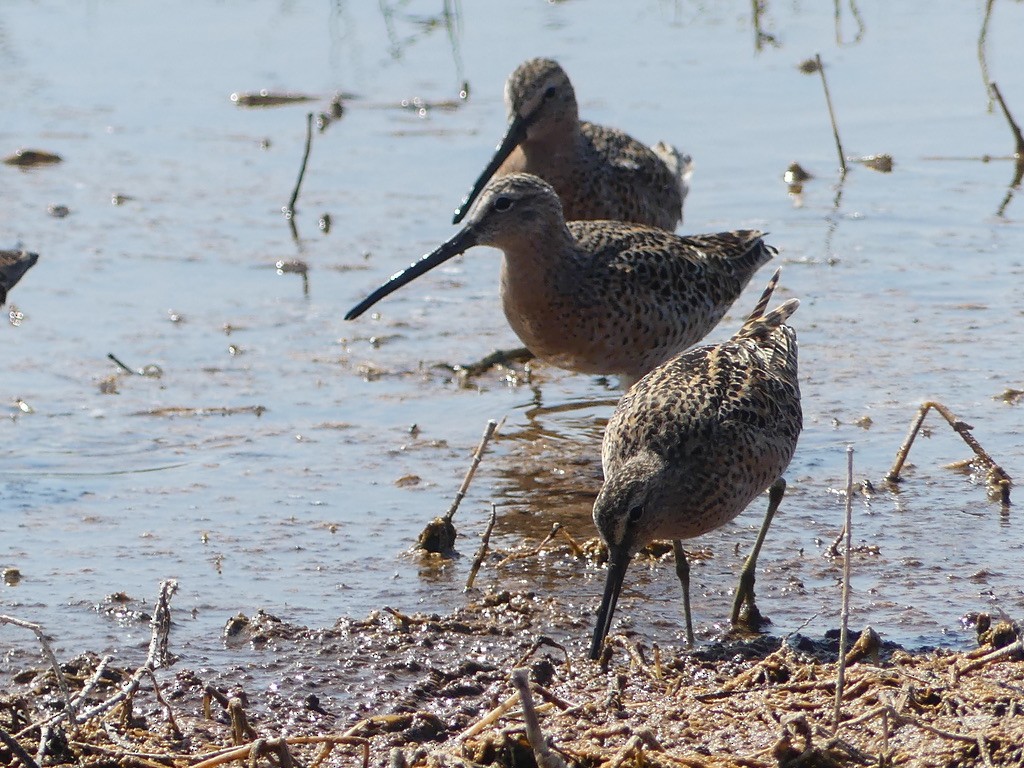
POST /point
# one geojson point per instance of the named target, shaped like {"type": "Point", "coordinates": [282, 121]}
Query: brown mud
{"type": "Point", "coordinates": [431, 690]}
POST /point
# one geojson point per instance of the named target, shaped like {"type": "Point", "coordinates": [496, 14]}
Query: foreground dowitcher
{"type": "Point", "coordinates": [693, 443]}
{"type": "Point", "coordinates": [598, 172]}
{"type": "Point", "coordinates": [13, 266]}
{"type": "Point", "coordinates": [599, 297]}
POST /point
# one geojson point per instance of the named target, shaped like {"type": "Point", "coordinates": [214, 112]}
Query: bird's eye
{"type": "Point", "coordinates": [636, 513]}
{"type": "Point", "coordinates": [550, 92]}
{"type": "Point", "coordinates": [502, 203]}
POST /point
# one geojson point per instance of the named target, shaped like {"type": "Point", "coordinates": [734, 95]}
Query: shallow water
{"type": "Point", "coordinates": [909, 286]}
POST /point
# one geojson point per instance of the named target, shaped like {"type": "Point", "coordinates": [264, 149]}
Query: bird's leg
{"type": "Point", "coordinates": [683, 572]}
{"type": "Point", "coordinates": [745, 590]}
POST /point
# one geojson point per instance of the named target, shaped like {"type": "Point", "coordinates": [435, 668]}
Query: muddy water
{"type": "Point", "coordinates": [909, 281]}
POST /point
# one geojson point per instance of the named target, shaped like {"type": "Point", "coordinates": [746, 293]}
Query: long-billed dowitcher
{"type": "Point", "coordinates": [693, 443]}
{"type": "Point", "coordinates": [13, 266]}
{"type": "Point", "coordinates": [597, 296]}
{"type": "Point", "coordinates": [598, 172]}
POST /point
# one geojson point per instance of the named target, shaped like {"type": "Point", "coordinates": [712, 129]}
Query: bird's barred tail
{"type": "Point", "coordinates": [759, 321]}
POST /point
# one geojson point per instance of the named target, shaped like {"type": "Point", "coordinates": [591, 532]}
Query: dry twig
{"type": "Point", "coordinates": [999, 483]}
{"type": "Point", "coordinates": [481, 553]}
{"type": "Point", "coordinates": [478, 455]}
{"type": "Point", "coordinates": [831, 115]}
{"type": "Point", "coordinates": [844, 626]}
{"type": "Point", "coordinates": [439, 535]}
{"type": "Point", "coordinates": [546, 757]}
{"type": "Point", "coordinates": [69, 706]}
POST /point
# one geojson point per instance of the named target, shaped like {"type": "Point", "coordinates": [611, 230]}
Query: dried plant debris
{"type": "Point", "coordinates": [996, 480]}
{"type": "Point", "coordinates": [32, 158]}
{"type": "Point", "coordinates": [1010, 395]}
{"type": "Point", "coordinates": [267, 98]}
{"type": "Point", "coordinates": [880, 163]}
{"type": "Point", "coordinates": [795, 174]}
{"type": "Point", "coordinates": [172, 411]}
{"type": "Point", "coordinates": [427, 691]}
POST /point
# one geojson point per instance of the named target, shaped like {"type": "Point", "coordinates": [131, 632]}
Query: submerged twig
{"type": "Point", "coordinates": [555, 529]}
{"type": "Point", "coordinates": [999, 483]}
{"type": "Point", "coordinates": [1018, 138]}
{"type": "Point", "coordinates": [121, 365]}
{"type": "Point", "coordinates": [844, 614]}
{"type": "Point", "coordinates": [831, 114]}
{"type": "Point", "coordinates": [289, 212]}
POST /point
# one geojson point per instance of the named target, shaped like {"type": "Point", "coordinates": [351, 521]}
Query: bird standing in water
{"type": "Point", "coordinates": [692, 443]}
{"type": "Point", "coordinates": [598, 172]}
{"type": "Point", "coordinates": [602, 297]}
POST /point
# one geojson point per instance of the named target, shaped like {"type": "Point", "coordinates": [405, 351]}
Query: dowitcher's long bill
{"type": "Point", "coordinates": [600, 297]}
{"type": "Point", "coordinates": [692, 443]}
{"type": "Point", "coordinates": [13, 266]}
{"type": "Point", "coordinates": [598, 172]}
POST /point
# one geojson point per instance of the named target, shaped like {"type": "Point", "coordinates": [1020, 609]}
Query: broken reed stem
{"type": "Point", "coordinates": [93, 680]}
{"type": "Point", "coordinates": [844, 626]}
{"type": "Point", "coordinates": [1001, 654]}
{"type": "Point", "coordinates": [555, 528]}
{"type": "Point", "coordinates": [156, 657]}
{"type": "Point", "coordinates": [831, 114]}
{"type": "Point", "coordinates": [997, 481]}
{"type": "Point", "coordinates": [161, 626]}
{"type": "Point", "coordinates": [481, 553]}
{"type": "Point", "coordinates": [244, 751]}
{"type": "Point", "coordinates": [489, 719]}
{"type": "Point", "coordinates": [1018, 138]}
{"type": "Point", "coordinates": [289, 212]}
{"type": "Point", "coordinates": [62, 683]}
{"type": "Point", "coordinates": [545, 756]}
{"type": "Point", "coordinates": [492, 425]}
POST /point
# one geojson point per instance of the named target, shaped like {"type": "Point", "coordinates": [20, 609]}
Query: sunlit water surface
{"type": "Point", "coordinates": [910, 284]}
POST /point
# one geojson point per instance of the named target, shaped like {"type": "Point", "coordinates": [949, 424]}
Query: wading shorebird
{"type": "Point", "coordinates": [598, 172]}
{"type": "Point", "coordinates": [13, 266]}
{"type": "Point", "coordinates": [693, 443]}
{"type": "Point", "coordinates": [602, 297]}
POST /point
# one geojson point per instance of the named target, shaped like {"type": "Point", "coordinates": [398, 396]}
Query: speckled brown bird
{"type": "Point", "coordinates": [693, 443]}
{"type": "Point", "coordinates": [13, 266]}
{"type": "Point", "coordinates": [599, 297]}
{"type": "Point", "coordinates": [598, 172]}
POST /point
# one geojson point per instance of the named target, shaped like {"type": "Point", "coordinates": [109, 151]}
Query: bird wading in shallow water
{"type": "Point", "coordinates": [13, 266]}
{"type": "Point", "coordinates": [598, 172]}
{"type": "Point", "coordinates": [601, 297]}
{"type": "Point", "coordinates": [692, 443]}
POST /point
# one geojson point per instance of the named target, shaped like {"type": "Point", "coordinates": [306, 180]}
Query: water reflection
{"type": "Point", "coordinates": [858, 20]}
{"type": "Point", "coordinates": [449, 19]}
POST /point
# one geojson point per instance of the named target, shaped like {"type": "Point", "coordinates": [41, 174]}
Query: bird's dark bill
{"type": "Point", "coordinates": [617, 565]}
{"type": "Point", "coordinates": [513, 136]}
{"type": "Point", "coordinates": [463, 241]}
